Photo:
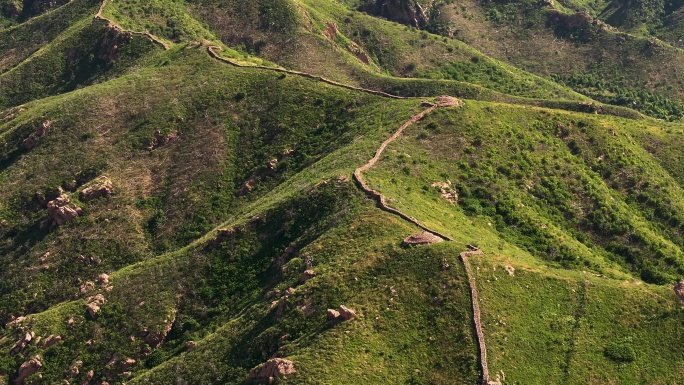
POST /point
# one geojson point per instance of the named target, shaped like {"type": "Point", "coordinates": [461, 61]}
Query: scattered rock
{"type": "Point", "coordinates": [127, 363]}
{"type": "Point", "coordinates": [94, 304]}
{"type": "Point", "coordinates": [307, 307]}
{"type": "Point", "coordinates": [446, 191]}
{"type": "Point", "coordinates": [21, 344]}
{"type": "Point", "coordinates": [51, 340]}
{"type": "Point", "coordinates": [247, 187]}
{"type": "Point", "coordinates": [97, 188]}
{"type": "Point", "coordinates": [89, 376]}
{"type": "Point", "coordinates": [290, 251]}
{"type": "Point", "coordinates": [272, 164]}
{"type": "Point", "coordinates": [74, 369]}
{"type": "Point", "coordinates": [332, 314]}
{"type": "Point", "coordinates": [155, 338]}
{"type": "Point", "coordinates": [346, 313]}
{"type": "Point", "coordinates": [510, 270]}
{"type": "Point", "coordinates": [445, 264]}
{"type": "Point", "coordinates": [271, 370]}
{"type": "Point", "coordinates": [14, 322]}
{"type": "Point", "coordinates": [27, 369]}
{"type": "Point", "coordinates": [307, 275]}
{"type": "Point", "coordinates": [679, 290]}
{"type": "Point", "coordinates": [86, 287]}
{"type": "Point", "coordinates": [190, 345]}
{"type": "Point", "coordinates": [103, 279]}
{"type": "Point", "coordinates": [32, 140]}
{"type": "Point", "coordinates": [421, 238]}
{"type": "Point", "coordinates": [60, 211]}
{"type": "Point", "coordinates": [161, 140]}
{"type": "Point", "coordinates": [112, 361]}
{"type": "Point", "coordinates": [93, 308]}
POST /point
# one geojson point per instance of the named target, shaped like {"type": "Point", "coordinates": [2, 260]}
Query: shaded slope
{"type": "Point", "coordinates": [87, 53]}
{"type": "Point", "coordinates": [20, 41]}
{"type": "Point", "coordinates": [577, 49]}
{"type": "Point", "coordinates": [229, 132]}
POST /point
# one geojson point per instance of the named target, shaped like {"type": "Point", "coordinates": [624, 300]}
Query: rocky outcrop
{"type": "Point", "coordinates": [155, 338]}
{"type": "Point", "coordinates": [51, 340]}
{"type": "Point", "coordinates": [28, 369]}
{"type": "Point", "coordinates": [97, 188]}
{"type": "Point", "coordinates": [21, 344]}
{"type": "Point", "coordinates": [446, 191]}
{"type": "Point", "coordinates": [94, 304]}
{"type": "Point", "coordinates": [407, 12]}
{"type": "Point", "coordinates": [307, 275]}
{"type": "Point", "coordinates": [32, 140]}
{"type": "Point", "coordinates": [343, 313]}
{"type": "Point", "coordinates": [60, 212]}
{"type": "Point", "coordinates": [103, 279]}
{"type": "Point", "coordinates": [111, 43]}
{"type": "Point", "coordinates": [74, 369]}
{"type": "Point", "coordinates": [271, 370]}
{"type": "Point", "coordinates": [346, 313]}
{"type": "Point", "coordinates": [332, 314]}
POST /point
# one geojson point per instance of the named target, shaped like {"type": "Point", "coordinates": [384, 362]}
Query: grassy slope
{"type": "Point", "coordinates": [533, 194]}
{"type": "Point", "coordinates": [612, 63]}
{"type": "Point", "coordinates": [77, 58]}
{"type": "Point", "coordinates": [572, 316]}
{"type": "Point", "coordinates": [20, 41]}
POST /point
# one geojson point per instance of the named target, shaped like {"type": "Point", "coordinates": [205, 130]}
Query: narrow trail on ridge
{"type": "Point", "coordinates": [441, 101]}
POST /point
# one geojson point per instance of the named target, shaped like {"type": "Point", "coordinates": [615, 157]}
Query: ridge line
{"type": "Point", "coordinates": [442, 101]}
{"type": "Point", "coordinates": [112, 23]}
{"type": "Point", "coordinates": [216, 56]}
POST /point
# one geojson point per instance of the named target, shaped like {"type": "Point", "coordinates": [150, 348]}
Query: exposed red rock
{"type": "Point", "coordinates": [271, 370]}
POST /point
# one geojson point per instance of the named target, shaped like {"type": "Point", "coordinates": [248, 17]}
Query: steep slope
{"type": "Point", "coordinates": [185, 206]}
{"type": "Point", "coordinates": [573, 43]}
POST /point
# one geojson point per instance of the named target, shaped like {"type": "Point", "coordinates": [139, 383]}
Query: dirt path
{"type": "Point", "coordinates": [112, 23]}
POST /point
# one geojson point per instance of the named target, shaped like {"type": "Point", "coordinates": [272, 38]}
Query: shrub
{"type": "Point", "coordinates": [620, 353]}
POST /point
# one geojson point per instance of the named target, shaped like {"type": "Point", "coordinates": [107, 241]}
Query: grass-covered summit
{"type": "Point", "coordinates": [218, 191]}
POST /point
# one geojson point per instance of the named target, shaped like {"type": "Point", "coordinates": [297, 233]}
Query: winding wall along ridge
{"type": "Point", "coordinates": [443, 101]}
{"type": "Point", "coordinates": [475, 298]}
{"type": "Point", "coordinates": [216, 56]}
{"type": "Point", "coordinates": [112, 23]}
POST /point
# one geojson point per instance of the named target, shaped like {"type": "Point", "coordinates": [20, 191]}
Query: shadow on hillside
{"type": "Point", "coordinates": [11, 157]}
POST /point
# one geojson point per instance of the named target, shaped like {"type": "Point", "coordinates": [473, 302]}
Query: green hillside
{"type": "Point", "coordinates": [225, 192]}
